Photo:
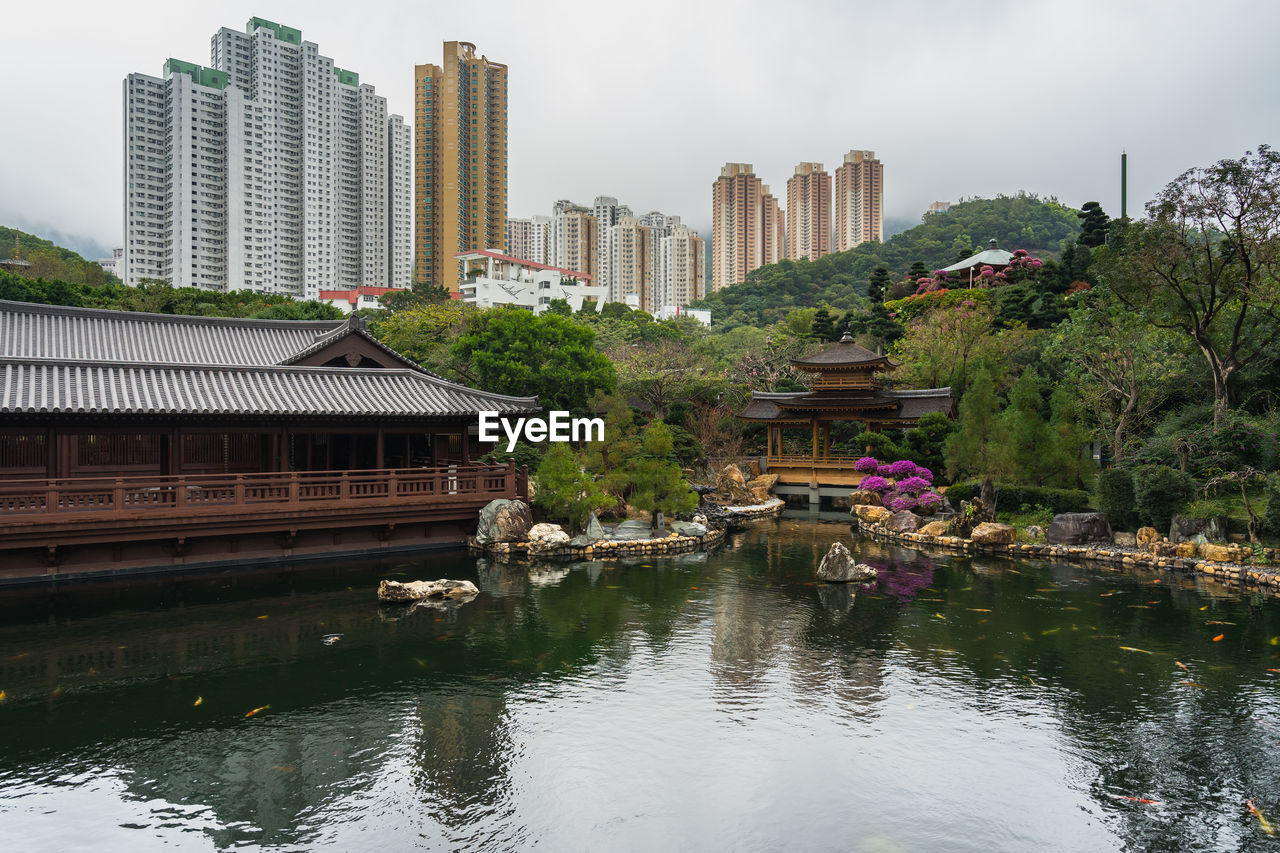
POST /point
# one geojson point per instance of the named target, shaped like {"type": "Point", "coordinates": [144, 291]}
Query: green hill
{"type": "Point", "coordinates": [51, 261]}
{"type": "Point", "coordinates": [1022, 221]}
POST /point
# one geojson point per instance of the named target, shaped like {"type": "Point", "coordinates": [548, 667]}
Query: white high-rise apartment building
{"type": "Point", "coordinates": [270, 170]}
{"type": "Point", "coordinates": [681, 263]}
{"type": "Point", "coordinates": [529, 239]}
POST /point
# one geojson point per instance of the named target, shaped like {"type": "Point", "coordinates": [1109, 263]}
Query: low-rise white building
{"type": "Point", "coordinates": [491, 279]}
{"type": "Point", "coordinates": [355, 298]}
{"type": "Point", "coordinates": [670, 312]}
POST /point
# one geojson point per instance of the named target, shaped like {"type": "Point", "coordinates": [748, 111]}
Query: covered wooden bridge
{"type": "Point", "coordinates": [132, 440]}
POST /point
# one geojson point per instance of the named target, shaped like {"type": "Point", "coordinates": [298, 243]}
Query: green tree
{"type": "Point", "coordinates": [1094, 224]}
{"type": "Point", "coordinates": [1026, 449]}
{"type": "Point", "coordinates": [918, 270]}
{"type": "Point", "coordinates": [975, 446]}
{"type": "Point", "coordinates": [565, 490]}
{"type": "Point", "coordinates": [425, 332]}
{"type": "Point", "coordinates": [1205, 263]}
{"type": "Point", "coordinates": [512, 351]}
{"type": "Point", "coordinates": [823, 327]}
{"type": "Point", "coordinates": [878, 284]}
{"type": "Point", "coordinates": [657, 483]}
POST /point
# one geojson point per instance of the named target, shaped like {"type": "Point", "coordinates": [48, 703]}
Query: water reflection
{"type": "Point", "coordinates": [722, 701]}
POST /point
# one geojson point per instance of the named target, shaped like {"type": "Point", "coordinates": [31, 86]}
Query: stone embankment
{"type": "Point", "coordinates": [1224, 562]}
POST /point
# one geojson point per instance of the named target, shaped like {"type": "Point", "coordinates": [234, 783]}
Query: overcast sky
{"type": "Point", "coordinates": [646, 101]}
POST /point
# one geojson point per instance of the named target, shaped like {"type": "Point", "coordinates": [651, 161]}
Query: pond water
{"type": "Point", "coordinates": [719, 701]}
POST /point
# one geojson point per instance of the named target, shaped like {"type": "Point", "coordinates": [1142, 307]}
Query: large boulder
{"type": "Point", "coordinates": [865, 497]}
{"type": "Point", "coordinates": [1184, 529]}
{"type": "Point", "coordinates": [905, 521]}
{"type": "Point", "coordinates": [761, 487]}
{"type": "Point", "coordinates": [838, 566]}
{"type": "Point", "coordinates": [397, 592]}
{"type": "Point", "coordinates": [687, 528]}
{"type": "Point", "coordinates": [1123, 539]}
{"type": "Point", "coordinates": [595, 530]}
{"type": "Point", "coordinates": [872, 514]}
{"type": "Point", "coordinates": [934, 528]}
{"type": "Point", "coordinates": [733, 474]}
{"type": "Point", "coordinates": [634, 529]}
{"type": "Point", "coordinates": [1078, 528]}
{"type": "Point", "coordinates": [504, 521]}
{"type": "Point", "coordinates": [1222, 553]}
{"type": "Point", "coordinates": [547, 537]}
{"type": "Point", "coordinates": [990, 533]}
{"type": "Point", "coordinates": [1146, 536]}
{"type": "Point", "coordinates": [971, 515]}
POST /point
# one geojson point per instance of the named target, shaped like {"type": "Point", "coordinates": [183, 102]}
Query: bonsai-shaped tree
{"type": "Point", "coordinates": [1242, 479]}
{"type": "Point", "coordinates": [657, 483]}
{"type": "Point", "coordinates": [565, 490]}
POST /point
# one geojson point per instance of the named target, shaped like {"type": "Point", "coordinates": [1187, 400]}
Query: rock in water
{"type": "Point", "coordinates": [990, 533]}
{"type": "Point", "coordinates": [864, 497]}
{"type": "Point", "coordinates": [1078, 528]}
{"type": "Point", "coordinates": [547, 537]}
{"type": "Point", "coordinates": [394, 591]}
{"type": "Point", "coordinates": [1146, 536]}
{"type": "Point", "coordinates": [687, 528]}
{"type": "Point", "coordinates": [838, 567]}
{"type": "Point", "coordinates": [503, 521]}
{"type": "Point", "coordinates": [934, 528]}
{"type": "Point", "coordinates": [595, 530]}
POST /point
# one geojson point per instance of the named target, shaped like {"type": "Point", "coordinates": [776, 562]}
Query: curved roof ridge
{"type": "Point", "coordinates": [154, 317]}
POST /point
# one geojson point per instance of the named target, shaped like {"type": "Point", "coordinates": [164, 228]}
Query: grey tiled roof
{"type": "Point", "coordinates": [32, 386]}
{"type": "Point", "coordinates": [88, 334]}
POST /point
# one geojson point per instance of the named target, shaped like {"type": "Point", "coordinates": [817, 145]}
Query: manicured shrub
{"type": "Point", "coordinates": [866, 464]}
{"type": "Point", "coordinates": [1158, 493]}
{"type": "Point", "coordinates": [913, 485]}
{"type": "Point", "coordinates": [1115, 497]}
{"type": "Point", "coordinates": [874, 484]}
{"type": "Point", "coordinates": [1012, 498]}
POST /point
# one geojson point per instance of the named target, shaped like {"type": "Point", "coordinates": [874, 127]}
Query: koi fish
{"type": "Point", "coordinates": [1216, 622]}
{"type": "Point", "coordinates": [330, 639]}
{"type": "Point", "coordinates": [199, 701]}
{"type": "Point", "coordinates": [1275, 641]}
{"type": "Point", "coordinates": [1262, 820]}
{"type": "Point", "coordinates": [1132, 649]}
{"type": "Point", "coordinates": [265, 616]}
{"type": "Point", "coordinates": [1049, 631]}
{"type": "Point", "coordinates": [1269, 670]}
{"type": "Point", "coordinates": [1143, 800]}
{"type": "Point", "coordinates": [1218, 638]}
{"type": "Point", "coordinates": [977, 610]}
{"type": "Point", "coordinates": [939, 616]}
{"type": "Point", "coordinates": [1193, 684]}
{"type": "Point", "coordinates": [2, 696]}
{"type": "Point", "coordinates": [1206, 607]}
{"type": "Point", "coordinates": [257, 711]}
{"type": "Point", "coordinates": [1182, 665]}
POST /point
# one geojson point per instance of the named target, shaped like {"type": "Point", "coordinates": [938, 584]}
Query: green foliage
{"type": "Point", "coordinates": [823, 327]}
{"type": "Point", "coordinates": [565, 490]}
{"type": "Point", "coordinates": [1271, 515]}
{"type": "Point", "coordinates": [51, 261]}
{"type": "Point", "coordinates": [512, 351]}
{"type": "Point", "coordinates": [1012, 498]}
{"type": "Point", "coordinates": [523, 455]}
{"type": "Point", "coordinates": [878, 284]}
{"type": "Point", "coordinates": [1159, 492]}
{"type": "Point", "coordinates": [656, 482]}
{"type": "Point", "coordinates": [1115, 497]}
{"type": "Point", "coordinates": [974, 448]}
{"type": "Point", "coordinates": [160, 298]}
{"type": "Point", "coordinates": [425, 331]}
{"type": "Point", "coordinates": [925, 443]}
{"type": "Point", "coordinates": [1094, 223]}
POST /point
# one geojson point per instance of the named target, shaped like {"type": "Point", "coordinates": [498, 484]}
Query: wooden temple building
{"type": "Point", "coordinates": [149, 441]}
{"type": "Point", "coordinates": [845, 388]}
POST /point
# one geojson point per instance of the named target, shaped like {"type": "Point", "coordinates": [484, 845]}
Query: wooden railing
{"type": "Point", "coordinates": [284, 490]}
{"type": "Point", "coordinates": [806, 459]}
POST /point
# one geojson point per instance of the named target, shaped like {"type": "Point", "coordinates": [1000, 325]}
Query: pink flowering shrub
{"type": "Point", "coordinates": [912, 485]}
{"type": "Point", "coordinates": [874, 484]}
{"type": "Point", "coordinates": [924, 474]}
{"type": "Point", "coordinates": [902, 468]}
{"type": "Point", "coordinates": [883, 471]}
{"type": "Point", "coordinates": [866, 464]}
{"type": "Point", "coordinates": [902, 502]}
{"type": "Point", "coordinates": [929, 501]}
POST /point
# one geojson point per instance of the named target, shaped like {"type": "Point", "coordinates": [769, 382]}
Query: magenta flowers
{"type": "Point", "coordinates": [902, 485]}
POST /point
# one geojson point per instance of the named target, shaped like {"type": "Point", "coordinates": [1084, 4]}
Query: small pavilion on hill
{"type": "Point", "coordinates": [992, 256]}
{"type": "Point", "coordinates": [845, 388]}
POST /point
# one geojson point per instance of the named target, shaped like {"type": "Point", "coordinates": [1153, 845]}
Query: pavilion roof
{"type": "Point", "coordinates": [992, 256]}
{"type": "Point", "coordinates": [843, 353]}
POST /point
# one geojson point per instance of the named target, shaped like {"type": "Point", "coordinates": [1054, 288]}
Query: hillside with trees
{"type": "Point", "coordinates": [1043, 228]}
{"type": "Point", "coordinates": [49, 260]}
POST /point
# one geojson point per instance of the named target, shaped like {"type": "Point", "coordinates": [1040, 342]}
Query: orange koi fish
{"type": "Point", "coordinates": [199, 701]}
{"type": "Point", "coordinates": [1262, 820]}
{"type": "Point", "coordinates": [1218, 638]}
{"type": "Point", "coordinates": [1143, 800]}
{"type": "Point", "coordinates": [257, 711]}
{"type": "Point", "coordinates": [1181, 664]}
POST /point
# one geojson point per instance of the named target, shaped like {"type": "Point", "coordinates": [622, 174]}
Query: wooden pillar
{"type": "Point", "coordinates": [826, 440]}
{"type": "Point", "coordinates": [51, 453]}
{"type": "Point", "coordinates": [175, 451]}
{"type": "Point", "coordinates": [379, 457]}
{"type": "Point", "coordinates": [814, 424]}
{"type": "Point", "coordinates": [768, 441]}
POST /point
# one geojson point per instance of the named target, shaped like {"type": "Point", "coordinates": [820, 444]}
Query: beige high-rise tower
{"type": "Point", "coordinates": [809, 213]}
{"type": "Point", "coordinates": [859, 200]}
{"type": "Point", "coordinates": [747, 226]}
{"type": "Point", "coordinates": [460, 161]}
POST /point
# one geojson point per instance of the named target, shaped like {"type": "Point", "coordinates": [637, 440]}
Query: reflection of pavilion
{"type": "Point", "coordinates": [846, 388]}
